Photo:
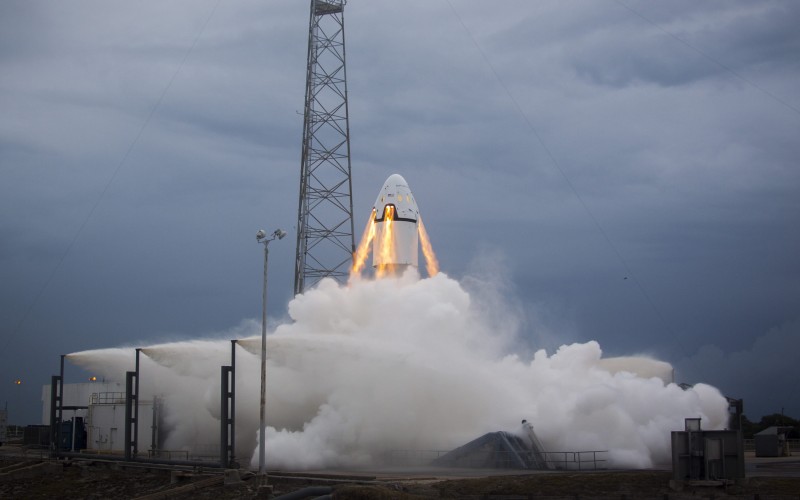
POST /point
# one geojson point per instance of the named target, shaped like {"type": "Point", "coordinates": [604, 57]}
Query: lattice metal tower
{"type": "Point", "coordinates": [325, 236]}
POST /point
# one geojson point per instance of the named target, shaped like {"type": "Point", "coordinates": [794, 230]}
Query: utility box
{"type": "Point", "coordinates": [699, 455]}
{"type": "Point", "coordinates": [772, 442]}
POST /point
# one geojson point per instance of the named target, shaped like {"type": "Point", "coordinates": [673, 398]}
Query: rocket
{"type": "Point", "coordinates": [394, 234]}
{"type": "Point", "coordinates": [395, 245]}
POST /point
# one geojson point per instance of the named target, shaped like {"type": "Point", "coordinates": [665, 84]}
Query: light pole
{"type": "Point", "coordinates": [261, 237]}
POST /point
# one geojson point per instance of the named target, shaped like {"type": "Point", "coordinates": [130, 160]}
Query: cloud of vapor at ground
{"type": "Point", "coordinates": [412, 364]}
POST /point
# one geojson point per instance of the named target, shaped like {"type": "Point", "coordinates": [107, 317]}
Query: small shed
{"type": "Point", "coordinates": [771, 442]}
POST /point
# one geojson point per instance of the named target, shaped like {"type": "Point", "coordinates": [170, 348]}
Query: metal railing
{"type": "Point", "coordinates": [205, 451]}
{"type": "Point", "coordinates": [108, 398]}
{"type": "Point", "coordinates": [576, 460]}
{"type": "Point", "coordinates": [556, 460]}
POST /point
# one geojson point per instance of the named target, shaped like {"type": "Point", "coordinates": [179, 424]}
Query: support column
{"type": "Point", "coordinates": [224, 417]}
{"type": "Point", "coordinates": [55, 420]}
{"type": "Point", "coordinates": [130, 421]}
{"type": "Point", "coordinates": [232, 455]}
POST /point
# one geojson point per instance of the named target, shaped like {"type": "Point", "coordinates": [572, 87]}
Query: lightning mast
{"type": "Point", "coordinates": [325, 235]}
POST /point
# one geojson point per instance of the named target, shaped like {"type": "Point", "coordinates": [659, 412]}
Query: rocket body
{"type": "Point", "coordinates": [396, 242]}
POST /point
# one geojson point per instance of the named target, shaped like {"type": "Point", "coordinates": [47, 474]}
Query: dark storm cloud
{"type": "Point", "coordinates": [772, 386]}
{"type": "Point", "coordinates": [679, 46]}
{"type": "Point", "coordinates": [689, 171]}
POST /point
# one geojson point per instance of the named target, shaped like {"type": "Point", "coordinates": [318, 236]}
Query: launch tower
{"type": "Point", "coordinates": [325, 236]}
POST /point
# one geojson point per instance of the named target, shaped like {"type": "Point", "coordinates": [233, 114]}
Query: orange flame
{"type": "Point", "coordinates": [431, 264]}
{"type": "Point", "coordinates": [387, 246]}
{"type": "Point", "coordinates": [387, 251]}
{"type": "Point", "coordinates": [362, 252]}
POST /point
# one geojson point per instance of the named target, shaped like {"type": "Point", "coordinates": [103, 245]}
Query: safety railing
{"type": "Point", "coordinates": [107, 398]}
{"type": "Point", "coordinates": [576, 460]}
{"type": "Point", "coordinates": [555, 460]}
{"type": "Point", "coordinates": [205, 452]}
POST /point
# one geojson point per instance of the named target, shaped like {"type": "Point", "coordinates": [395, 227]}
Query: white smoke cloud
{"type": "Point", "coordinates": [412, 364]}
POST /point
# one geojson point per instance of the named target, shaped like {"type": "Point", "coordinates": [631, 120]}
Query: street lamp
{"type": "Point", "coordinates": [261, 237]}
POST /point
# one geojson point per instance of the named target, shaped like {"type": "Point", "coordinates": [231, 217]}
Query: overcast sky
{"type": "Point", "coordinates": [630, 167]}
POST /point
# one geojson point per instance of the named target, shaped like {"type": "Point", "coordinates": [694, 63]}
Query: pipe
{"type": "Point", "coordinates": [311, 491]}
{"type": "Point", "coordinates": [155, 461]}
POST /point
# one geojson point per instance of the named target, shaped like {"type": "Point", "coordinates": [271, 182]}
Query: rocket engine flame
{"type": "Point", "coordinates": [362, 252]}
{"type": "Point", "coordinates": [387, 253]}
{"type": "Point", "coordinates": [431, 263]}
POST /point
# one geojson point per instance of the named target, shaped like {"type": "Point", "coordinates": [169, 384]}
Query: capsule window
{"type": "Point", "coordinates": [399, 197]}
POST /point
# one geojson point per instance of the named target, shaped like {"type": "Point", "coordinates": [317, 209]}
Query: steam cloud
{"type": "Point", "coordinates": [411, 364]}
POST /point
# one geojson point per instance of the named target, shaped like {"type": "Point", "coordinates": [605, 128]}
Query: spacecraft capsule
{"type": "Point", "coordinates": [396, 242]}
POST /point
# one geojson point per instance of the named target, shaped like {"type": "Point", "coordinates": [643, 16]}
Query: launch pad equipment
{"type": "Point", "coordinates": [325, 235]}
{"type": "Point", "coordinates": [497, 450]}
{"type": "Point", "coordinates": [702, 457]}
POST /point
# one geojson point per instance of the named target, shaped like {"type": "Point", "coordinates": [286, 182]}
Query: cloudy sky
{"type": "Point", "coordinates": [629, 169]}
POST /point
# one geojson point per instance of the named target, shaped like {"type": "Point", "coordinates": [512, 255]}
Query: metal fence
{"type": "Point", "coordinates": [14, 432]}
{"type": "Point", "coordinates": [750, 444]}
